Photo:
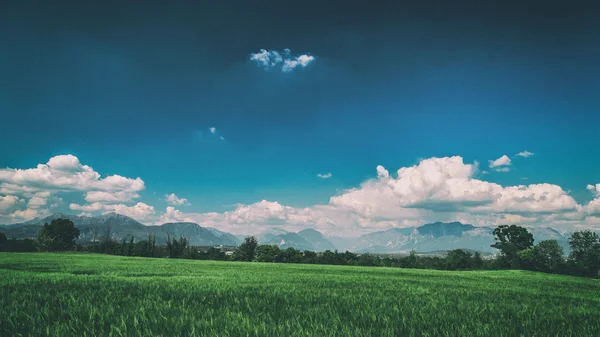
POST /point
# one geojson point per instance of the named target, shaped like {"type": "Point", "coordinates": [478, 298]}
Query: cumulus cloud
{"type": "Point", "coordinates": [9, 203]}
{"type": "Point", "coordinates": [324, 175]}
{"type": "Point", "coordinates": [64, 173]}
{"type": "Point", "coordinates": [503, 169]}
{"type": "Point", "coordinates": [274, 59]}
{"type": "Point", "coordinates": [212, 129]}
{"type": "Point", "coordinates": [525, 154]}
{"type": "Point", "coordinates": [172, 199]}
{"type": "Point", "coordinates": [502, 161]}
{"type": "Point", "coordinates": [139, 211]}
{"type": "Point", "coordinates": [119, 196]}
{"type": "Point", "coordinates": [436, 189]}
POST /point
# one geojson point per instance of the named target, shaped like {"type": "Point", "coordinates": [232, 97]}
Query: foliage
{"type": "Point", "coordinates": [99, 295]}
{"type": "Point", "coordinates": [59, 235]}
{"type": "Point", "coordinates": [459, 259]}
{"type": "Point", "coordinates": [584, 259]}
{"type": "Point", "coordinates": [510, 240]}
{"type": "Point", "coordinates": [247, 250]}
{"type": "Point", "coordinates": [177, 248]}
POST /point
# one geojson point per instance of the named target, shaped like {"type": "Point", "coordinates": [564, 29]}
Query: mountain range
{"type": "Point", "coordinates": [426, 238]}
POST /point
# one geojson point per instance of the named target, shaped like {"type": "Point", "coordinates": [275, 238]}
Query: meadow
{"type": "Point", "coordinates": [45, 294]}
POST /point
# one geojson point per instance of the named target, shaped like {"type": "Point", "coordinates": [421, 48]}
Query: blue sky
{"type": "Point", "coordinates": [133, 92]}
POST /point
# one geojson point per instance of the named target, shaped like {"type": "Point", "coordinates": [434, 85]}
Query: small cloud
{"type": "Point", "coordinates": [325, 176]}
{"type": "Point", "coordinates": [212, 130]}
{"type": "Point", "coordinates": [484, 172]}
{"type": "Point", "coordinates": [174, 200]}
{"type": "Point", "coordinates": [272, 58]}
{"type": "Point", "coordinates": [524, 178]}
{"type": "Point", "coordinates": [503, 169]}
{"type": "Point", "coordinates": [222, 138]}
{"type": "Point", "coordinates": [502, 161]}
{"type": "Point", "coordinates": [525, 154]}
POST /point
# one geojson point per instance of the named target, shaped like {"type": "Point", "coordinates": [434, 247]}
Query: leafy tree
{"type": "Point", "coordinates": [176, 248]}
{"type": "Point", "coordinates": [459, 259]}
{"type": "Point", "coordinates": [309, 257]}
{"type": "Point", "coordinates": [478, 262]}
{"type": "Point", "coordinates": [584, 257]}
{"type": "Point", "coordinates": [3, 241]}
{"type": "Point", "coordinates": [510, 240]}
{"type": "Point", "coordinates": [247, 250]}
{"type": "Point", "coordinates": [411, 260]}
{"type": "Point", "coordinates": [59, 235]}
{"type": "Point", "coordinates": [548, 256]}
{"type": "Point", "coordinates": [268, 253]}
{"type": "Point", "coordinates": [291, 255]}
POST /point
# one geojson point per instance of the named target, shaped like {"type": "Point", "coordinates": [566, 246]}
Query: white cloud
{"type": "Point", "coordinates": [9, 203]}
{"type": "Point", "coordinates": [172, 199]}
{"type": "Point", "coordinates": [271, 59]}
{"type": "Point", "coordinates": [525, 154]}
{"type": "Point", "coordinates": [212, 129]}
{"type": "Point", "coordinates": [502, 161]}
{"type": "Point", "coordinates": [119, 196]}
{"type": "Point", "coordinates": [503, 169]}
{"type": "Point", "coordinates": [222, 138]}
{"type": "Point", "coordinates": [64, 173]}
{"type": "Point", "coordinates": [324, 175]}
{"type": "Point", "coordinates": [139, 211]}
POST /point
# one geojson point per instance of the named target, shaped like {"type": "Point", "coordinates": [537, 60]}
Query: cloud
{"type": "Point", "coordinates": [222, 138]}
{"type": "Point", "coordinates": [64, 173]}
{"type": "Point", "coordinates": [119, 196]}
{"type": "Point", "coordinates": [324, 175]}
{"type": "Point", "coordinates": [525, 154]}
{"type": "Point", "coordinates": [139, 211]}
{"type": "Point", "coordinates": [503, 169]}
{"type": "Point", "coordinates": [502, 161]}
{"type": "Point", "coordinates": [274, 59]}
{"type": "Point", "coordinates": [9, 203]}
{"type": "Point", "coordinates": [172, 199]}
{"type": "Point", "coordinates": [212, 130]}
{"type": "Point", "coordinates": [436, 189]}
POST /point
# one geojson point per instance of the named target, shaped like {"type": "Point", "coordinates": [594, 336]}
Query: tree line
{"type": "Point", "coordinates": [515, 245]}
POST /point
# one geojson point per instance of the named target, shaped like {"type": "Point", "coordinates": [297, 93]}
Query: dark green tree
{"type": "Point", "coordinates": [59, 235]}
{"type": "Point", "coordinates": [584, 258]}
{"type": "Point", "coordinates": [3, 241]}
{"type": "Point", "coordinates": [548, 256]}
{"type": "Point", "coordinates": [268, 253]}
{"type": "Point", "coordinates": [176, 248]}
{"type": "Point", "coordinates": [247, 250]}
{"type": "Point", "coordinates": [459, 259]}
{"type": "Point", "coordinates": [510, 240]}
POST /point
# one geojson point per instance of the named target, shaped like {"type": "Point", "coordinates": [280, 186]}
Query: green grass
{"type": "Point", "coordinates": [90, 295]}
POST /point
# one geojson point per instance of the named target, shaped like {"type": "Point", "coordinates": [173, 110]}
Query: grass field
{"type": "Point", "coordinates": [89, 295]}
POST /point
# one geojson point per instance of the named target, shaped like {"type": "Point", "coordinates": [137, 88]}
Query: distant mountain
{"type": "Point", "coordinates": [432, 237]}
{"type": "Point", "coordinates": [293, 240]}
{"type": "Point", "coordinates": [122, 226]}
{"type": "Point", "coordinates": [317, 240]}
{"type": "Point", "coordinates": [272, 233]}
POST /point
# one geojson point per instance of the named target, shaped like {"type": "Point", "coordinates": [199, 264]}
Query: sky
{"type": "Point", "coordinates": [347, 117]}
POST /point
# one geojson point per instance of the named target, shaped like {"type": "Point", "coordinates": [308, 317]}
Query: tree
{"type": "Point", "coordinates": [59, 235]}
{"type": "Point", "coordinates": [176, 248]}
{"type": "Point", "coordinates": [268, 253]}
{"type": "Point", "coordinates": [95, 233]}
{"type": "Point", "coordinates": [247, 250]}
{"type": "Point", "coordinates": [510, 240]}
{"type": "Point", "coordinates": [584, 257]}
{"type": "Point", "coordinates": [548, 256]}
{"type": "Point", "coordinates": [3, 241]}
{"type": "Point", "coordinates": [459, 259]}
